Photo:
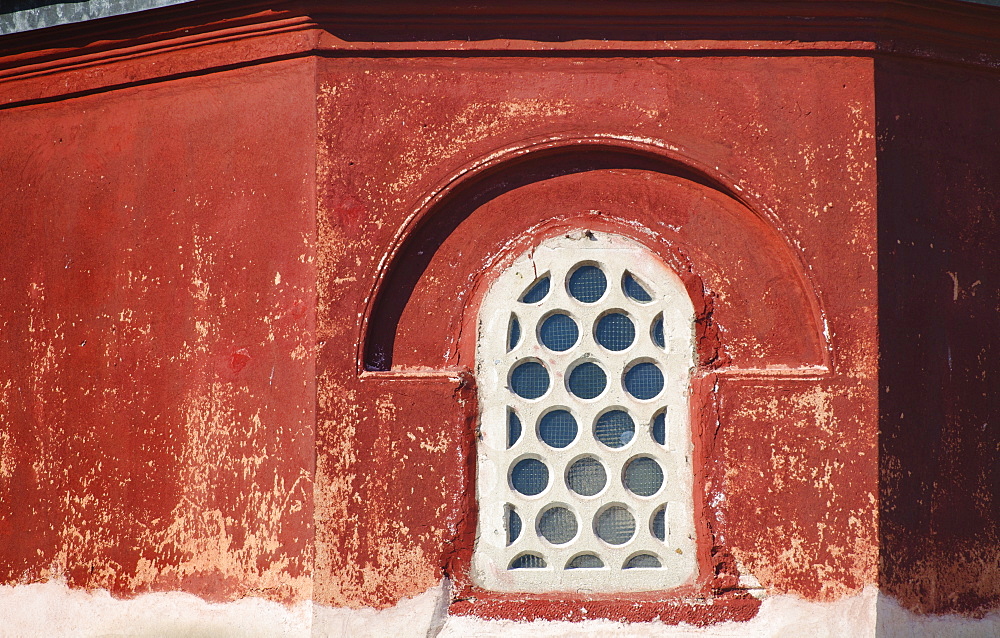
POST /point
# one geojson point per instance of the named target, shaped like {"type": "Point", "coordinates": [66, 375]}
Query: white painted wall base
{"type": "Point", "coordinates": [52, 610]}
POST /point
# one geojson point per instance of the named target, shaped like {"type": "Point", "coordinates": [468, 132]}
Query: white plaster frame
{"type": "Point", "coordinates": [492, 555]}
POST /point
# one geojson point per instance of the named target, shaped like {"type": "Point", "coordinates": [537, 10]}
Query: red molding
{"type": "Point", "coordinates": [946, 30]}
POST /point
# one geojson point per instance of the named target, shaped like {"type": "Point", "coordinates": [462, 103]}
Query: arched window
{"type": "Point", "coordinates": [584, 355]}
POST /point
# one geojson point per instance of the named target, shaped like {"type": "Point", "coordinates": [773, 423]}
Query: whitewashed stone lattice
{"type": "Point", "coordinates": [585, 485]}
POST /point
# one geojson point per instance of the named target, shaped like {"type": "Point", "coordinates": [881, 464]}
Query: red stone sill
{"type": "Point", "coordinates": [670, 607]}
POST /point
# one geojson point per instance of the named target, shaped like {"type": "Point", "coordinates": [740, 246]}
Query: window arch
{"type": "Point", "coordinates": [584, 355]}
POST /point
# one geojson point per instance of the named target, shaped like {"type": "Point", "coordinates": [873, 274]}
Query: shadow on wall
{"type": "Point", "coordinates": [455, 232]}
{"type": "Point", "coordinates": [939, 269]}
{"type": "Point", "coordinates": [460, 203]}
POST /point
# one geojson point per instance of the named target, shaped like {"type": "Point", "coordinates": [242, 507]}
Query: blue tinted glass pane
{"type": "Point", "coordinates": [537, 292]}
{"type": "Point", "coordinates": [513, 428]}
{"type": "Point", "coordinates": [557, 428]}
{"type": "Point", "coordinates": [634, 289]}
{"type": "Point", "coordinates": [586, 561]}
{"type": "Point", "coordinates": [529, 380]}
{"type": "Point", "coordinates": [642, 560]}
{"type": "Point", "coordinates": [527, 561]}
{"type": "Point", "coordinates": [659, 524]}
{"type": "Point", "coordinates": [643, 476]}
{"type": "Point", "coordinates": [587, 380]}
{"type": "Point", "coordinates": [644, 381]}
{"type": "Point", "coordinates": [588, 284]}
{"type": "Point", "coordinates": [513, 525]}
{"type": "Point", "coordinates": [529, 477]}
{"type": "Point", "coordinates": [557, 525]}
{"type": "Point", "coordinates": [660, 428]}
{"type": "Point", "coordinates": [586, 477]}
{"type": "Point", "coordinates": [558, 332]}
{"type": "Point", "coordinates": [615, 332]}
{"type": "Point", "coordinates": [514, 334]}
{"type": "Point", "coordinates": [614, 429]}
{"type": "Point", "coordinates": [615, 525]}
{"type": "Point", "coordinates": [658, 332]}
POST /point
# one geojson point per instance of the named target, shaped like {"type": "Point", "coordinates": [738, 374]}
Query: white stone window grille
{"type": "Point", "coordinates": [584, 358]}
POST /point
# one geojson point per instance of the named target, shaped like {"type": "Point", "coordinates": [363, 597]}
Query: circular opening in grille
{"type": "Point", "coordinates": [644, 380]}
{"type": "Point", "coordinates": [643, 476]}
{"type": "Point", "coordinates": [614, 428]}
{"type": "Point", "coordinates": [558, 332]}
{"type": "Point", "coordinates": [513, 524]}
{"type": "Point", "coordinates": [659, 428]}
{"type": "Point", "coordinates": [513, 332]}
{"type": "Point", "coordinates": [587, 380]}
{"type": "Point", "coordinates": [656, 332]}
{"type": "Point", "coordinates": [529, 477]}
{"type": "Point", "coordinates": [513, 428]}
{"type": "Point", "coordinates": [529, 380]}
{"type": "Point", "coordinates": [537, 291]}
{"type": "Point", "coordinates": [557, 525]}
{"type": "Point", "coordinates": [587, 283]}
{"type": "Point", "coordinates": [634, 290]}
{"type": "Point", "coordinates": [615, 331]}
{"type": "Point", "coordinates": [557, 428]}
{"type": "Point", "coordinates": [586, 476]}
{"type": "Point", "coordinates": [615, 525]}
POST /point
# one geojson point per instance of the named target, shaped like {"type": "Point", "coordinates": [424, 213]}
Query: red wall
{"type": "Point", "coordinates": [939, 226]}
{"type": "Point", "coordinates": [793, 457]}
{"type": "Point", "coordinates": [157, 379]}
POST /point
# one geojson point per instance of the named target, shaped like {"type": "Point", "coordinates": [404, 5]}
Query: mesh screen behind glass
{"type": "Point", "coordinates": [559, 333]}
{"type": "Point", "coordinates": [644, 380]}
{"type": "Point", "coordinates": [586, 476]}
{"type": "Point", "coordinates": [615, 428]}
{"type": "Point", "coordinates": [513, 428]}
{"type": "Point", "coordinates": [529, 477]}
{"type": "Point", "coordinates": [643, 560]}
{"type": "Point", "coordinates": [615, 526]}
{"type": "Point", "coordinates": [615, 332]}
{"type": "Point", "coordinates": [587, 380]}
{"type": "Point", "coordinates": [585, 561]}
{"type": "Point", "coordinates": [635, 290]}
{"type": "Point", "coordinates": [643, 476]}
{"type": "Point", "coordinates": [529, 380]}
{"type": "Point", "coordinates": [537, 292]}
{"type": "Point", "coordinates": [557, 525]}
{"type": "Point", "coordinates": [557, 428]}
{"type": "Point", "coordinates": [588, 284]}
{"type": "Point", "coordinates": [528, 561]}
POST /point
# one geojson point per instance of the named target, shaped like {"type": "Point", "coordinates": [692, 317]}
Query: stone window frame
{"type": "Point", "coordinates": [497, 550]}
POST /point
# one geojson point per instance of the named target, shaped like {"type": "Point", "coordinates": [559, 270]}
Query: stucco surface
{"type": "Point", "coordinates": [157, 422]}
{"type": "Point", "coordinates": [778, 451]}
{"type": "Point", "coordinates": [244, 251]}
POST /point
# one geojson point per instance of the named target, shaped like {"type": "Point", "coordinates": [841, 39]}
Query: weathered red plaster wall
{"type": "Point", "coordinates": [176, 250]}
{"type": "Point", "coordinates": [157, 374]}
{"type": "Point", "coordinates": [939, 224]}
{"type": "Point", "coordinates": [792, 462]}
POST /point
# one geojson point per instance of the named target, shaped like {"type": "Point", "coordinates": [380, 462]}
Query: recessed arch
{"type": "Point", "coordinates": [448, 220]}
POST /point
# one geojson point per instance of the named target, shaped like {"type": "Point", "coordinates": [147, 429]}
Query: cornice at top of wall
{"type": "Point", "coordinates": [202, 34]}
